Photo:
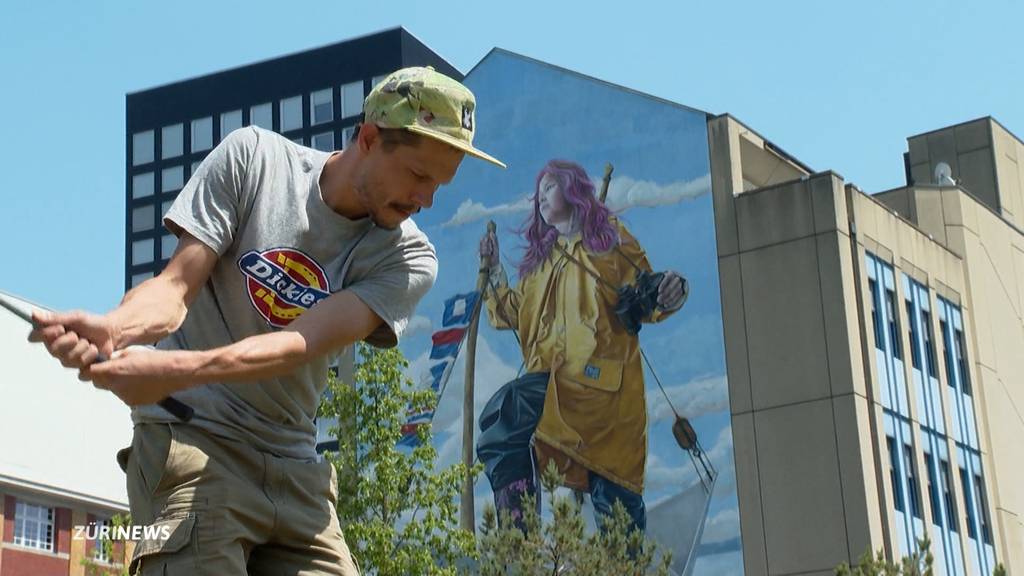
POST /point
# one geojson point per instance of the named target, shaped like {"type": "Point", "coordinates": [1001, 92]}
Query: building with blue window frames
{"type": "Point", "coordinates": [940, 422]}
{"type": "Point", "coordinates": [875, 351]}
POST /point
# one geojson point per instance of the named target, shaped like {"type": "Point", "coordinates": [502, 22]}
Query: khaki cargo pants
{"type": "Point", "coordinates": [228, 508]}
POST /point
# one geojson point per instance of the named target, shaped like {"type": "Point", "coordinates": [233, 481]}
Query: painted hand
{"type": "Point", "coordinates": [672, 291]}
{"type": "Point", "coordinates": [489, 251]}
{"type": "Point", "coordinates": [139, 375]}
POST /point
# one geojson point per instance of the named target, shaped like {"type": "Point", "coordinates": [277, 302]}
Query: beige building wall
{"type": "Point", "coordinates": [812, 476]}
{"type": "Point", "coordinates": [804, 459]}
{"type": "Point", "coordinates": [985, 161]}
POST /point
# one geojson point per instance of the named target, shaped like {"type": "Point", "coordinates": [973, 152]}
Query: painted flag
{"type": "Point", "coordinates": [420, 418]}
{"type": "Point", "coordinates": [459, 309]}
{"type": "Point", "coordinates": [444, 351]}
{"type": "Point", "coordinates": [436, 375]}
{"type": "Point", "coordinates": [409, 438]}
{"type": "Point", "coordinates": [446, 343]}
{"type": "Point", "coordinates": [449, 336]}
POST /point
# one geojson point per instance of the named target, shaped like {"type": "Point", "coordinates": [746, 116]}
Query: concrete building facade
{"type": "Point", "coordinates": [875, 348]}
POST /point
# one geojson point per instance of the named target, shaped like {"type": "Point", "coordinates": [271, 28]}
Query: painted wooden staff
{"type": "Point", "coordinates": [608, 169]}
{"type": "Point", "coordinates": [467, 514]}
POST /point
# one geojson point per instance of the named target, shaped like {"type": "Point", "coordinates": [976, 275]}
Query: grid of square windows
{"type": "Point", "coordinates": [291, 113]}
{"type": "Point", "coordinates": [262, 115]}
{"type": "Point", "coordinates": [229, 122]}
{"type": "Point", "coordinates": [202, 134]}
{"type": "Point", "coordinates": [143, 218]}
{"type": "Point", "coordinates": [324, 141]}
{"type": "Point", "coordinates": [172, 178]}
{"type": "Point", "coordinates": [326, 107]}
{"type": "Point", "coordinates": [351, 99]}
{"type": "Point", "coordinates": [142, 147]}
{"type": "Point", "coordinates": [142, 185]}
{"type": "Point", "coordinates": [142, 251]}
{"type": "Point", "coordinates": [172, 141]}
{"type": "Point", "coordinates": [321, 106]}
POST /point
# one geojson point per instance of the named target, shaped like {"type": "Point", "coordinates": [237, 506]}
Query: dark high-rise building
{"type": "Point", "coordinates": [313, 97]}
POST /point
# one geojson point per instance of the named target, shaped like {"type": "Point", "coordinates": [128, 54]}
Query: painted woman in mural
{"type": "Point", "coordinates": [580, 402]}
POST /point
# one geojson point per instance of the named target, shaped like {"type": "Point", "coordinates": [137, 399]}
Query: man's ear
{"type": "Point", "coordinates": [368, 135]}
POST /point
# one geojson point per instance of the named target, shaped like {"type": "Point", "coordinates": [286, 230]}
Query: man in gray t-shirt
{"type": "Point", "coordinates": [286, 256]}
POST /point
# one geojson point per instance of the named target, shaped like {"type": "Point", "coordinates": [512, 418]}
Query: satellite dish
{"type": "Point", "coordinates": [944, 175]}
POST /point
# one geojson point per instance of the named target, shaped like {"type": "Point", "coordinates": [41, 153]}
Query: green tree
{"type": "Point", "coordinates": [560, 545]}
{"type": "Point", "coordinates": [399, 513]}
{"type": "Point", "coordinates": [117, 563]}
{"type": "Point", "coordinates": [919, 563]}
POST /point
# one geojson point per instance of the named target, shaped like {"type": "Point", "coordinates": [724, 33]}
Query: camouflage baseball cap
{"type": "Point", "coordinates": [426, 102]}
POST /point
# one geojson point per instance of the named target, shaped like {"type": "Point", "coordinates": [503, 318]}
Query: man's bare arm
{"type": "Point", "coordinates": [143, 377]}
{"type": "Point", "coordinates": [158, 306]}
{"type": "Point", "coordinates": [147, 313]}
{"type": "Point", "coordinates": [338, 321]}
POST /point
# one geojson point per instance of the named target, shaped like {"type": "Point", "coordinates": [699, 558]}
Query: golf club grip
{"type": "Point", "coordinates": [180, 410]}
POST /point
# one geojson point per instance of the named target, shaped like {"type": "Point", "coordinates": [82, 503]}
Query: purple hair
{"type": "Point", "coordinates": [599, 234]}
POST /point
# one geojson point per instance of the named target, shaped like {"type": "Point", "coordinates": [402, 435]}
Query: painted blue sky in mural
{"type": "Point", "coordinates": [528, 113]}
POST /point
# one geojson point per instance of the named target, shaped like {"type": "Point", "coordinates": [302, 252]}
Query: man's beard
{"type": "Point", "coordinates": [365, 191]}
{"type": "Point", "coordinates": [368, 192]}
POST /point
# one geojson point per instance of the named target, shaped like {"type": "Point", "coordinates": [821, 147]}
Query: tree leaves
{"type": "Point", "coordinates": [399, 514]}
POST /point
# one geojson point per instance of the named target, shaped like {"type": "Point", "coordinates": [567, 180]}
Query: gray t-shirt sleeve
{"type": "Point", "coordinates": [209, 205]}
{"type": "Point", "coordinates": [394, 288]}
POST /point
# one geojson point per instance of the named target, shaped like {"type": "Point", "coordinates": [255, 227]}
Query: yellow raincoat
{"type": "Point", "coordinates": [595, 415]}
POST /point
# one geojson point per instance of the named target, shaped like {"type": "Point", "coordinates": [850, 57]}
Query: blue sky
{"type": "Point", "coordinates": [839, 85]}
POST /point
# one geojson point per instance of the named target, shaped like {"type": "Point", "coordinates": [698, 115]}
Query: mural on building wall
{"type": "Point", "coordinates": [600, 344]}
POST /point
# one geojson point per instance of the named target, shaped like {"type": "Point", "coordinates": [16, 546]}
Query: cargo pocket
{"type": "Point", "coordinates": [122, 458]}
{"type": "Point", "coordinates": [163, 541]}
{"type": "Point", "coordinates": [152, 451]}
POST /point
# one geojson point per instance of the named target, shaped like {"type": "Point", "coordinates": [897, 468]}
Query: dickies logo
{"type": "Point", "coordinates": [283, 283]}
